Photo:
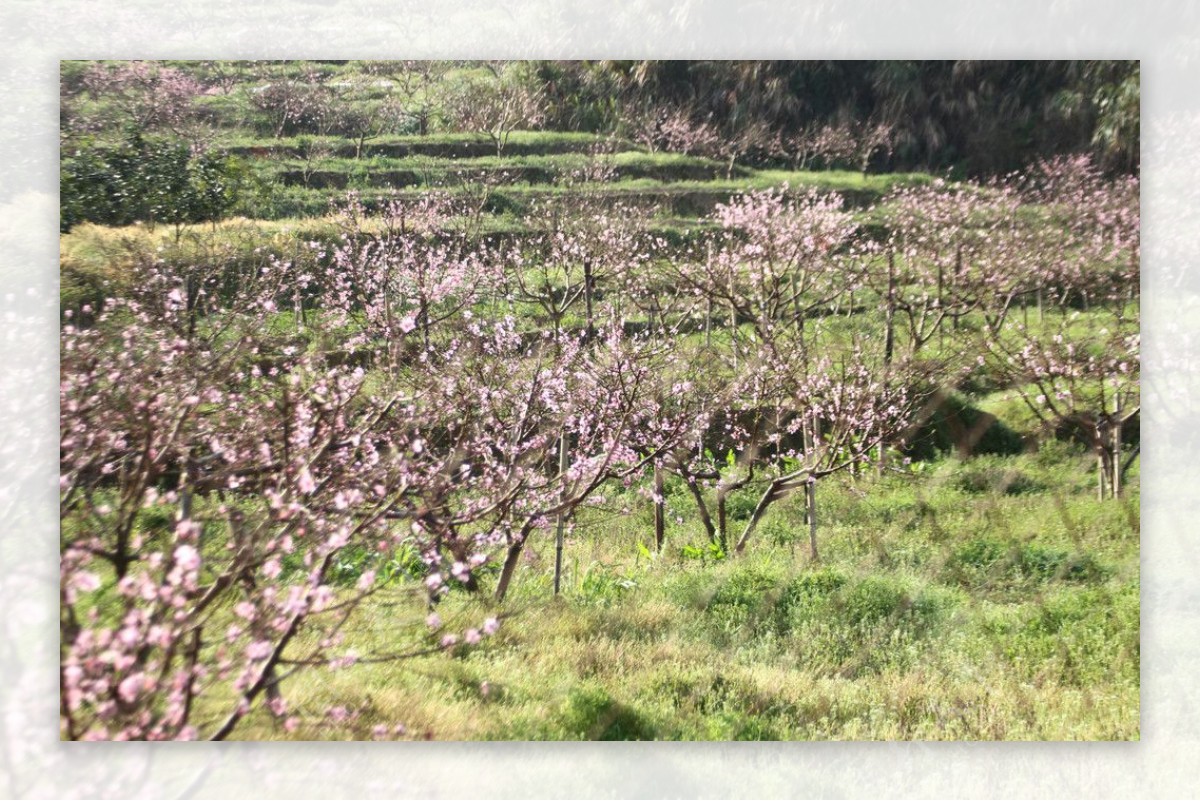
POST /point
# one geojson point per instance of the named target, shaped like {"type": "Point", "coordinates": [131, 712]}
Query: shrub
{"type": "Point", "coordinates": [957, 426]}
{"type": "Point", "coordinates": [744, 591]}
{"type": "Point", "coordinates": [590, 713]}
{"type": "Point", "coordinates": [806, 597]}
{"type": "Point", "coordinates": [980, 476]}
{"type": "Point", "coordinates": [601, 585]}
{"type": "Point", "coordinates": [875, 598]}
{"type": "Point", "coordinates": [988, 559]}
{"type": "Point", "coordinates": [148, 180]}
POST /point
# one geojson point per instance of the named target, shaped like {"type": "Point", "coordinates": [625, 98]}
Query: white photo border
{"type": "Point", "coordinates": [35, 35]}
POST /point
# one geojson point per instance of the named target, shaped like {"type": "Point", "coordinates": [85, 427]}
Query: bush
{"type": "Point", "coordinates": [590, 713]}
{"type": "Point", "coordinates": [989, 560]}
{"type": "Point", "coordinates": [745, 590]}
{"type": "Point", "coordinates": [601, 586]}
{"type": "Point", "coordinates": [739, 506]}
{"type": "Point", "coordinates": [1079, 637]}
{"type": "Point", "coordinates": [958, 427]}
{"type": "Point", "coordinates": [149, 180]}
{"type": "Point", "coordinates": [806, 597]}
{"type": "Point", "coordinates": [977, 477]}
{"type": "Point", "coordinates": [879, 599]}
{"type": "Point", "coordinates": [875, 598]}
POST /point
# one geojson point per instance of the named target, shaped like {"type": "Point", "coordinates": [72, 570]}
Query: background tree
{"type": "Point", "coordinates": [148, 179]}
{"type": "Point", "coordinates": [418, 87]}
{"type": "Point", "coordinates": [1079, 367]}
{"type": "Point", "coordinates": [977, 117]}
{"type": "Point", "coordinates": [496, 108]}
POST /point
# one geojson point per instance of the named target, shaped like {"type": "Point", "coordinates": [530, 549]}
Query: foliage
{"type": "Point", "coordinates": [148, 179]}
{"type": "Point", "coordinates": [980, 117]}
{"type": "Point", "coordinates": [495, 108]}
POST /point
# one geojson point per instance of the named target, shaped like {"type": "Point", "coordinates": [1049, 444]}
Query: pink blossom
{"type": "Point", "coordinates": [305, 482]}
{"type": "Point", "coordinates": [187, 557]}
{"type": "Point", "coordinates": [85, 581]}
{"type": "Point", "coordinates": [130, 687]}
{"type": "Point", "coordinates": [188, 530]}
{"type": "Point", "coordinates": [322, 597]}
{"type": "Point", "coordinates": [259, 650]}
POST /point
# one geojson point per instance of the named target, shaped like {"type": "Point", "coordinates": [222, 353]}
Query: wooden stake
{"type": "Point", "coordinates": [889, 336]}
{"type": "Point", "coordinates": [1116, 449]}
{"type": "Point", "coordinates": [810, 492]}
{"type": "Point", "coordinates": [562, 516]}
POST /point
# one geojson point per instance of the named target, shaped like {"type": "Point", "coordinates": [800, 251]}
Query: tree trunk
{"type": "Point", "coordinates": [1125, 465]}
{"type": "Point", "coordinates": [425, 321]}
{"type": "Point", "coordinates": [708, 325]}
{"type": "Point", "coordinates": [1116, 450]}
{"type": "Point", "coordinates": [733, 316]}
{"type": "Point", "coordinates": [957, 274]}
{"type": "Point", "coordinates": [298, 309]}
{"type": "Point", "coordinates": [588, 281]}
{"type": "Point", "coordinates": [705, 517]}
{"type": "Point", "coordinates": [773, 493]}
{"type": "Point", "coordinates": [941, 307]}
{"type": "Point", "coordinates": [186, 478]}
{"type": "Point", "coordinates": [722, 521]}
{"type": "Point", "coordinates": [511, 558]}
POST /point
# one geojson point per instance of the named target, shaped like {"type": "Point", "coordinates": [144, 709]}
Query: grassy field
{"type": "Point", "coordinates": [988, 599]}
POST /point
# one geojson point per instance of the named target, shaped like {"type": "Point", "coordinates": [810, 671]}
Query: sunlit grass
{"type": "Point", "coordinates": [990, 599]}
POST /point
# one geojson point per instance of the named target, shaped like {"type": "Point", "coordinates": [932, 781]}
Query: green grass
{"type": "Point", "coordinates": [948, 607]}
{"type": "Point", "coordinates": [649, 181]}
{"type": "Point", "coordinates": [519, 143]}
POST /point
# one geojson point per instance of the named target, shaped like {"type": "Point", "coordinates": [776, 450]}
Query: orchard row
{"type": "Point", "coordinates": [229, 432]}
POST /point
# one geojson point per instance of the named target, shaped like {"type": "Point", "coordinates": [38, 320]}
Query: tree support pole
{"type": "Point", "coordinates": [562, 516]}
{"type": "Point", "coordinates": [810, 494]}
